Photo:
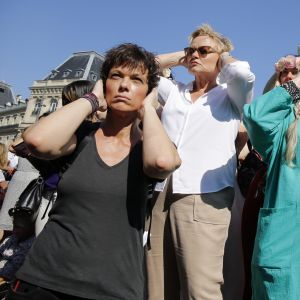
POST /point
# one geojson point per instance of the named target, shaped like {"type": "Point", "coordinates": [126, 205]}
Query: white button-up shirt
{"type": "Point", "coordinates": [204, 131]}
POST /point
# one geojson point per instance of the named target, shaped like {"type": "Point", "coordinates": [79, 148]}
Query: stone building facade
{"type": "Point", "coordinates": [45, 94]}
{"type": "Point", "coordinates": [12, 111]}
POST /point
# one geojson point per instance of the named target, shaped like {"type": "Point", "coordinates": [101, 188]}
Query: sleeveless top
{"type": "Point", "coordinates": [91, 246]}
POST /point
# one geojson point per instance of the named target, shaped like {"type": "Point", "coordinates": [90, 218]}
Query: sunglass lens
{"type": "Point", "coordinates": [203, 50]}
{"type": "Point", "coordinates": [188, 50]}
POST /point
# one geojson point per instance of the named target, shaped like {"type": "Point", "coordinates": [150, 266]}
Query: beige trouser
{"type": "Point", "coordinates": [188, 235]}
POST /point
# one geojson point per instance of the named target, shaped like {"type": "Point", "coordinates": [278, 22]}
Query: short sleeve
{"type": "Point", "coordinates": [164, 89]}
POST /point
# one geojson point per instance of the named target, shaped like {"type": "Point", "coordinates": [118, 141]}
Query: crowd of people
{"type": "Point", "coordinates": [140, 198]}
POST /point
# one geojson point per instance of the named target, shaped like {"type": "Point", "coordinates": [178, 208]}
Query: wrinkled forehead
{"type": "Point", "coordinates": [203, 40]}
{"type": "Point", "coordinates": [292, 70]}
{"type": "Point", "coordinates": [132, 67]}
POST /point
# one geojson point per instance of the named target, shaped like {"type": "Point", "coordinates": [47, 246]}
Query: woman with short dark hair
{"type": "Point", "coordinates": [91, 247]}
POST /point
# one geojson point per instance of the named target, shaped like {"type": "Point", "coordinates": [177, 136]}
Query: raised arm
{"type": "Point", "coordinates": [239, 79]}
{"type": "Point", "coordinates": [160, 156]}
{"type": "Point", "coordinates": [267, 115]}
{"type": "Point", "coordinates": [170, 60]}
{"type": "Point", "coordinates": [54, 135]}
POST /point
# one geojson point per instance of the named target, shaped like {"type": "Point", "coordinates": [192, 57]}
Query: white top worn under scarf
{"type": "Point", "coordinates": [205, 131]}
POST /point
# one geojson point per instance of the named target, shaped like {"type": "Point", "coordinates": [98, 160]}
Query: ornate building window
{"type": "Point", "coordinates": [66, 73]}
{"type": "Point", "coordinates": [93, 76]}
{"type": "Point", "coordinates": [15, 121]}
{"type": "Point", "coordinates": [53, 74]}
{"type": "Point", "coordinates": [37, 107]}
{"type": "Point", "coordinates": [79, 73]}
{"type": "Point", "coordinates": [53, 105]}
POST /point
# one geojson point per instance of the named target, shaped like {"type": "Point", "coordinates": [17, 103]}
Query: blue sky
{"type": "Point", "coordinates": [38, 35]}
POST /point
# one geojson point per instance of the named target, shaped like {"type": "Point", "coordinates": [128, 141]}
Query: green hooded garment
{"type": "Point", "coordinates": [276, 256]}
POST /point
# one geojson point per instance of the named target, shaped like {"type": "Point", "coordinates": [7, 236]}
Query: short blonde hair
{"type": "Point", "coordinates": [223, 42]}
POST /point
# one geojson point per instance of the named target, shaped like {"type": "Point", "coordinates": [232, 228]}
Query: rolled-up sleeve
{"type": "Point", "coordinates": [164, 89]}
{"type": "Point", "coordinates": [240, 83]}
{"type": "Point", "coordinates": [265, 116]}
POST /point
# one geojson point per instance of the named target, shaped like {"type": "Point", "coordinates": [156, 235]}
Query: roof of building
{"type": "Point", "coordinates": [6, 94]}
{"type": "Point", "coordinates": [80, 65]}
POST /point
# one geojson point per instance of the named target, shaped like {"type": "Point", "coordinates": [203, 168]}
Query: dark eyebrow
{"type": "Point", "coordinates": [136, 75]}
{"type": "Point", "coordinates": [114, 70]}
{"type": "Point", "coordinates": [139, 76]}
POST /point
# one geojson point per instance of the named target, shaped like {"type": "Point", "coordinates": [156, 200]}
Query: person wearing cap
{"type": "Point", "coordinates": [272, 122]}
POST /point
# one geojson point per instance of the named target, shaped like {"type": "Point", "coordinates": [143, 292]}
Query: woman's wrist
{"type": "Point", "coordinates": [293, 90]}
{"type": "Point", "coordinates": [225, 58]}
{"type": "Point", "coordinates": [93, 100]}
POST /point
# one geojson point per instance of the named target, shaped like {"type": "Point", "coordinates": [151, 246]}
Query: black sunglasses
{"type": "Point", "coordinates": [203, 50]}
{"type": "Point", "coordinates": [285, 72]}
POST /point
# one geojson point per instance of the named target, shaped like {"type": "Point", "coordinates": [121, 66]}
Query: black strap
{"type": "Point", "coordinates": [51, 200]}
{"type": "Point", "coordinates": [249, 144]}
{"type": "Point", "coordinates": [150, 208]}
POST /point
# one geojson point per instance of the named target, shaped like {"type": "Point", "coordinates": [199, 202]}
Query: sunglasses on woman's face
{"type": "Point", "coordinates": [202, 51]}
{"type": "Point", "coordinates": [293, 71]}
